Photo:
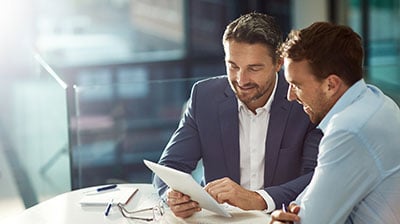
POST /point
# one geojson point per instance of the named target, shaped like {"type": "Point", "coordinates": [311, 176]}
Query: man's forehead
{"type": "Point", "coordinates": [294, 69]}
{"type": "Point", "coordinates": [287, 61]}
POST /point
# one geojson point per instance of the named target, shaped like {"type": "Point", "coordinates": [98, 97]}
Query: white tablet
{"type": "Point", "coordinates": [185, 183]}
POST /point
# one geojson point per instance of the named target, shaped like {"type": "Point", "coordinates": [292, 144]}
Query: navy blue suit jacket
{"type": "Point", "coordinates": [209, 130]}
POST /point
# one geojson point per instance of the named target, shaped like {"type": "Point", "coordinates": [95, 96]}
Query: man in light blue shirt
{"type": "Point", "coordinates": [357, 179]}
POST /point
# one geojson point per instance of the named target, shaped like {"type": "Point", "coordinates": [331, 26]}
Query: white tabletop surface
{"type": "Point", "coordinates": [65, 209]}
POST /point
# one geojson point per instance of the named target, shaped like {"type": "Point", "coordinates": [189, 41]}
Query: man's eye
{"type": "Point", "coordinates": [233, 66]}
{"type": "Point", "coordinates": [254, 69]}
{"type": "Point", "coordinates": [294, 87]}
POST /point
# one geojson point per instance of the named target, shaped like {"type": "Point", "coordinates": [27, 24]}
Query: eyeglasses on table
{"type": "Point", "coordinates": [157, 212]}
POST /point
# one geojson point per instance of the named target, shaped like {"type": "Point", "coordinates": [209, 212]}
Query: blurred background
{"type": "Point", "coordinates": [90, 88]}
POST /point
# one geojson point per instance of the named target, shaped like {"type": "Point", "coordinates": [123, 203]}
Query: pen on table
{"type": "Point", "coordinates": [102, 189]}
{"type": "Point", "coordinates": [108, 187]}
{"type": "Point", "coordinates": [108, 208]}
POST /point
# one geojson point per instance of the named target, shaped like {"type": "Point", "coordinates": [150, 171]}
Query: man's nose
{"type": "Point", "coordinates": [242, 78]}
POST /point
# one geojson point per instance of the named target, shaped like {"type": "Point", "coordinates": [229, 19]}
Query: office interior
{"type": "Point", "coordinates": [90, 88]}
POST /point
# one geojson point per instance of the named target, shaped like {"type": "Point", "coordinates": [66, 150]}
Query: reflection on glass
{"type": "Point", "coordinates": [134, 122]}
{"type": "Point", "coordinates": [72, 33]}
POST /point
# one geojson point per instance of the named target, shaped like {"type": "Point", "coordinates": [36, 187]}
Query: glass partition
{"type": "Point", "coordinates": [387, 78]}
{"type": "Point", "coordinates": [118, 125]}
{"type": "Point", "coordinates": [34, 138]}
{"type": "Point", "coordinates": [378, 22]}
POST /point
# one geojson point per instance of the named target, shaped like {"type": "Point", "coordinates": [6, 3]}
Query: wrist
{"type": "Point", "coordinates": [259, 203]}
{"type": "Point", "coordinates": [270, 203]}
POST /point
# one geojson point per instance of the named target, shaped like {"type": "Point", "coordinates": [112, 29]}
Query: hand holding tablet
{"type": "Point", "coordinates": [185, 183]}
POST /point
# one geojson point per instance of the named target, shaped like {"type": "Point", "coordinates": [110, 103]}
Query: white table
{"type": "Point", "coordinates": [65, 209]}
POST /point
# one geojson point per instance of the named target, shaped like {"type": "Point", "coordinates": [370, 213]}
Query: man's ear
{"type": "Point", "coordinates": [334, 84]}
{"type": "Point", "coordinates": [279, 63]}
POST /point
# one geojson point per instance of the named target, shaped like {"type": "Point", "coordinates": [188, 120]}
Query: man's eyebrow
{"type": "Point", "coordinates": [290, 81]}
{"type": "Point", "coordinates": [256, 65]}
{"type": "Point", "coordinates": [251, 65]}
{"type": "Point", "coordinates": [294, 83]}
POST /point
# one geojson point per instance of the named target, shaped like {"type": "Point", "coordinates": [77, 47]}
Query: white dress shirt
{"type": "Point", "coordinates": [252, 136]}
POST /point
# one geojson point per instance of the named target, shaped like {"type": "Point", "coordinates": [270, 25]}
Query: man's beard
{"type": "Point", "coordinates": [247, 98]}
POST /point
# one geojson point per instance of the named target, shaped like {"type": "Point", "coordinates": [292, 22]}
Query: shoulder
{"type": "Point", "coordinates": [372, 107]}
{"type": "Point", "coordinates": [213, 82]}
{"type": "Point", "coordinates": [213, 87]}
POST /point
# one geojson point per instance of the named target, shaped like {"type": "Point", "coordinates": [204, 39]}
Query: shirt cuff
{"type": "Point", "coordinates": [268, 200]}
{"type": "Point", "coordinates": [163, 196]}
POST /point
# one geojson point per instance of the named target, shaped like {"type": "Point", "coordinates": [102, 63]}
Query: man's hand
{"type": "Point", "coordinates": [281, 217]}
{"type": "Point", "coordinates": [181, 204]}
{"type": "Point", "coordinates": [226, 190]}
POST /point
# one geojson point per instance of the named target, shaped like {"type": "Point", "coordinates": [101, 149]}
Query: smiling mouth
{"type": "Point", "coordinates": [246, 87]}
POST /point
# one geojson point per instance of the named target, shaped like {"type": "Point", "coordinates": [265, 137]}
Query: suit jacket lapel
{"type": "Point", "coordinates": [277, 122]}
{"type": "Point", "coordinates": [228, 114]}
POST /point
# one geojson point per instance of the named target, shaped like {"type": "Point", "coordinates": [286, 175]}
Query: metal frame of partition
{"type": "Point", "coordinates": [70, 108]}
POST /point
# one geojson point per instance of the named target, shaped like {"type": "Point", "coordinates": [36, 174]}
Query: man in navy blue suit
{"type": "Point", "coordinates": [258, 149]}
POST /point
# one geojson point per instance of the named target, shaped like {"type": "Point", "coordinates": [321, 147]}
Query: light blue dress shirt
{"type": "Point", "coordinates": [357, 179]}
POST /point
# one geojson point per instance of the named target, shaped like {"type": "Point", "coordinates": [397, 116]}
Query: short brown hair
{"type": "Point", "coordinates": [253, 28]}
{"type": "Point", "coordinates": [329, 48]}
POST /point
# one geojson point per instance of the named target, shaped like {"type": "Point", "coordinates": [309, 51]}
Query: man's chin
{"type": "Point", "coordinates": [244, 98]}
{"type": "Point", "coordinates": [314, 119]}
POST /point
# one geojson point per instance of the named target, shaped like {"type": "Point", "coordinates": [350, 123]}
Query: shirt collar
{"type": "Point", "coordinates": [344, 101]}
{"type": "Point", "coordinates": [267, 105]}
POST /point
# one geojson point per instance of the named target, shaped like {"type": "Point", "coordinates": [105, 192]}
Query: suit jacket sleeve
{"type": "Point", "coordinates": [287, 192]}
{"type": "Point", "coordinates": [183, 149]}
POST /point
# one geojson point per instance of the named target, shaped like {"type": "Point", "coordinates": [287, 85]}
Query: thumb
{"type": "Point", "coordinates": [293, 208]}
